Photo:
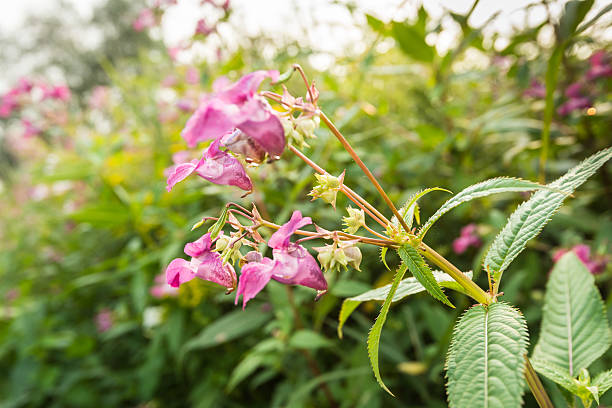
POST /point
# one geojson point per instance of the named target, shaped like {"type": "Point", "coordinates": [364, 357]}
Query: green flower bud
{"type": "Point", "coordinates": [306, 126]}
{"type": "Point", "coordinates": [353, 255]}
{"type": "Point", "coordinates": [354, 221]}
{"type": "Point", "coordinates": [327, 187]}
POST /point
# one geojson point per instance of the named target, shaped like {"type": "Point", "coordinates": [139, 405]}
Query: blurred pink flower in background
{"type": "Point", "coordinates": [600, 66]}
{"type": "Point", "coordinates": [169, 81]}
{"type": "Point", "coordinates": [59, 92]}
{"type": "Point", "coordinates": [192, 76]}
{"type": "Point", "coordinates": [467, 238]}
{"type": "Point", "coordinates": [145, 19]}
{"type": "Point", "coordinates": [29, 129]}
{"type": "Point", "coordinates": [185, 105]}
{"type": "Point", "coordinates": [99, 97]}
{"type": "Point", "coordinates": [536, 90]}
{"type": "Point", "coordinates": [161, 289]}
{"type": "Point", "coordinates": [595, 264]}
{"type": "Point", "coordinates": [104, 320]}
{"type": "Point", "coordinates": [203, 28]}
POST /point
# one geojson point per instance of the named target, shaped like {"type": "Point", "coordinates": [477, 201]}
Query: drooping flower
{"type": "Point", "coordinates": [237, 105]}
{"type": "Point", "coordinates": [600, 66]}
{"type": "Point", "coordinates": [292, 264]}
{"type": "Point", "coordinates": [216, 166]}
{"type": "Point", "coordinates": [467, 238]}
{"type": "Point", "coordinates": [205, 264]}
{"type": "Point", "coordinates": [595, 264]}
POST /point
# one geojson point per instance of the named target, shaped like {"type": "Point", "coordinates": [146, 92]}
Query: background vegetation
{"type": "Point", "coordinates": [86, 224]}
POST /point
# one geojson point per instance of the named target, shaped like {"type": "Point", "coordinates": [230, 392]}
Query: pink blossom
{"type": "Point", "coordinates": [595, 265]}
{"type": "Point", "coordinates": [573, 104]}
{"type": "Point", "coordinates": [205, 264]}
{"type": "Point", "coordinates": [186, 105]}
{"type": "Point", "coordinates": [8, 104]}
{"type": "Point", "coordinates": [173, 52]}
{"type": "Point", "coordinates": [161, 289]}
{"type": "Point", "coordinates": [29, 129]}
{"type": "Point", "coordinates": [467, 238]}
{"type": "Point", "coordinates": [536, 90]}
{"type": "Point", "coordinates": [600, 66]}
{"type": "Point", "coordinates": [24, 85]}
{"type": "Point", "coordinates": [238, 106]}
{"type": "Point", "coordinates": [59, 92]}
{"type": "Point", "coordinates": [203, 28]}
{"type": "Point", "coordinates": [292, 264]}
{"type": "Point", "coordinates": [145, 19]}
{"type": "Point", "coordinates": [192, 76]}
{"type": "Point", "coordinates": [169, 81]}
{"type": "Point", "coordinates": [104, 320]}
{"type": "Point", "coordinates": [216, 166]}
{"type": "Point", "coordinates": [99, 97]}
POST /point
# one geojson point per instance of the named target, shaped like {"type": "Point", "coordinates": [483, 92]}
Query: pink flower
{"type": "Point", "coordinates": [205, 264]}
{"type": "Point", "coordinates": [203, 28]}
{"type": "Point", "coordinates": [573, 104]}
{"type": "Point", "coordinates": [104, 320]}
{"type": "Point", "coordinates": [600, 66]}
{"type": "Point", "coordinates": [536, 90]}
{"type": "Point", "coordinates": [292, 264]}
{"type": "Point", "coordinates": [59, 92]}
{"type": "Point", "coordinates": [145, 19]}
{"type": "Point", "coordinates": [29, 129]}
{"type": "Point", "coordinates": [173, 52]}
{"type": "Point", "coordinates": [192, 76]}
{"type": "Point", "coordinates": [99, 97]}
{"type": "Point", "coordinates": [574, 90]}
{"type": "Point", "coordinates": [161, 289]}
{"type": "Point", "coordinates": [24, 85]}
{"type": "Point", "coordinates": [186, 105]}
{"type": "Point", "coordinates": [238, 106]}
{"type": "Point", "coordinates": [216, 166]}
{"type": "Point", "coordinates": [595, 265]}
{"type": "Point", "coordinates": [8, 104]}
{"type": "Point", "coordinates": [169, 81]}
{"type": "Point", "coordinates": [467, 238]}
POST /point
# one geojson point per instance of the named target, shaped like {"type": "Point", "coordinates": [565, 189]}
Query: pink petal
{"type": "Point", "coordinates": [210, 121]}
{"type": "Point", "coordinates": [179, 173]}
{"type": "Point", "coordinates": [254, 277]}
{"type": "Point", "coordinates": [212, 269]}
{"type": "Point", "coordinates": [222, 168]}
{"type": "Point", "coordinates": [198, 247]}
{"type": "Point", "coordinates": [295, 266]}
{"type": "Point", "coordinates": [245, 88]}
{"type": "Point", "coordinates": [178, 272]}
{"type": "Point", "coordinates": [280, 239]}
{"type": "Point", "coordinates": [268, 132]}
{"type": "Point", "coordinates": [583, 252]}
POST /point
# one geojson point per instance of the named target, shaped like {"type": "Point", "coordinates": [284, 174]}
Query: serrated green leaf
{"type": "Point", "coordinates": [574, 329]}
{"type": "Point", "coordinates": [407, 287]}
{"type": "Point", "coordinates": [376, 330]}
{"type": "Point", "coordinates": [383, 256]}
{"type": "Point", "coordinates": [482, 189]}
{"type": "Point", "coordinates": [603, 382]}
{"type": "Point", "coordinates": [485, 362]}
{"type": "Point", "coordinates": [216, 228]}
{"type": "Point", "coordinates": [531, 216]}
{"type": "Point", "coordinates": [421, 271]}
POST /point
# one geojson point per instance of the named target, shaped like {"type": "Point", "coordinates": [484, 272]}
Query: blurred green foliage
{"type": "Point", "coordinates": [86, 223]}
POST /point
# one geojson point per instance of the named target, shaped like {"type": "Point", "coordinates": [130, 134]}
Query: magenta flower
{"type": "Point", "coordinates": [237, 105]}
{"type": "Point", "coordinates": [467, 238]}
{"type": "Point", "coordinates": [573, 104]}
{"type": "Point", "coordinates": [595, 265]}
{"type": "Point", "coordinates": [205, 264]}
{"type": "Point", "coordinates": [216, 166]}
{"type": "Point", "coordinates": [29, 129]}
{"type": "Point", "coordinates": [145, 19]}
{"type": "Point", "coordinates": [8, 104]}
{"type": "Point", "coordinates": [292, 264]}
{"type": "Point", "coordinates": [203, 28]}
{"type": "Point", "coordinates": [600, 66]}
{"type": "Point", "coordinates": [59, 92]}
{"type": "Point", "coordinates": [536, 90]}
{"type": "Point", "coordinates": [104, 320]}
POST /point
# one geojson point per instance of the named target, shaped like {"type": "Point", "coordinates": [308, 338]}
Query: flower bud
{"type": "Point", "coordinates": [327, 187]}
{"type": "Point", "coordinates": [353, 255]}
{"type": "Point", "coordinates": [306, 126]}
{"type": "Point", "coordinates": [221, 243]}
{"type": "Point", "coordinates": [354, 221]}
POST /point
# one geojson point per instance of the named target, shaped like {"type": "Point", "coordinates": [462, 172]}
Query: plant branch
{"type": "Point", "coordinates": [536, 387]}
{"type": "Point", "coordinates": [364, 168]}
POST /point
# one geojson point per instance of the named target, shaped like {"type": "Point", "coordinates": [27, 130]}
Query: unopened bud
{"type": "Point", "coordinates": [306, 126]}
{"type": "Point", "coordinates": [327, 187]}
{"type": "Point", "coordinates": [353, 255]}
{"type": "Point", "coordinates": [221, 243]}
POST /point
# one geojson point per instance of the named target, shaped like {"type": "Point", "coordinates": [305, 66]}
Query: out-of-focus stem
{"type": "Point", "coordinates": [536, 387]}
{"type": "Point", "coordinates": [472, 289]}
{"type": "Point", "coordinates": [364, 168]}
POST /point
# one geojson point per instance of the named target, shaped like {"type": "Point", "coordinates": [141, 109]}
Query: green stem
{"type": "Point", "coordinates": [472, 289]}
{"type": "Point", "coordinates": [536, 387]}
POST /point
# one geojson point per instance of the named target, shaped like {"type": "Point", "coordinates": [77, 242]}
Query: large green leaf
{"type": "Point", "coordinates": [407, 287]}
{"type": "Point", "coordinates": [574, 329]}
{"type": "Point", "coordinates": [485, 362]}
{"type": "Point", "coordinates": [603, 382]}
{"type": "Point", "coordinates": [229, 327]}
{"type": "Point", "coordinates": [422, 273]}
{"type": "Point", "coordinates": [412, 41]}
{"type": "Point", "coordinates": [531, 216]}
{"type": "Point", "coordinates": [482, 189]}
{"type": "Point", "coordinates": [376, 330]}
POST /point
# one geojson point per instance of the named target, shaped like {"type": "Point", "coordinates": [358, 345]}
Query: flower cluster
{"type": "Point", "coordinates": [596, 264]}
{"type": "Point", "coordinates": [236, 118]}
{"type": "Point", "coordinates": [468, 238]}
{"type": "Point", "coordinates": [28, 91]}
